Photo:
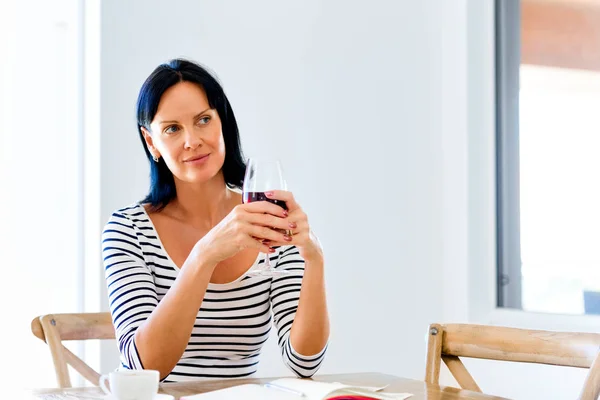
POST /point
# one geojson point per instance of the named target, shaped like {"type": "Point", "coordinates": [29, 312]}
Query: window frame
{"type": "Point", "coordinates": [508, 237]}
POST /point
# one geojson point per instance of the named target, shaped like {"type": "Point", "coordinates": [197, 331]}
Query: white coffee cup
{"type": "Point", "coordinates": [131, 384]}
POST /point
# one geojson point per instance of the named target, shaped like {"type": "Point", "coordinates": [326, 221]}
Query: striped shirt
{"type": "Point", "coordinates": [234, 320]}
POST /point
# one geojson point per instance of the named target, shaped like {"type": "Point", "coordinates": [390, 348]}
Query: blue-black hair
{"type": "Point", "coordinates": [162, 184]}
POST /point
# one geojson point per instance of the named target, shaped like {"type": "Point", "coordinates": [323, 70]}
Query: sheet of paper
{"type": "Point", "coordinates": [313, 390]}
{"type": "Point", "coordinates": [246, 392]}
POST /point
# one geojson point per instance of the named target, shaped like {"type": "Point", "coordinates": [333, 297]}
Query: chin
{"type": "Point", "coordinates": [202, 177]}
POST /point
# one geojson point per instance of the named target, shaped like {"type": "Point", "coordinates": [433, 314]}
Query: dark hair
{"type": "Point", "coordinates": [162, 184]}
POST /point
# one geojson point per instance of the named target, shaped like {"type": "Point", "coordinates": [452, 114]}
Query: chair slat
{"type": "Point", "coordinates": [521, 345]}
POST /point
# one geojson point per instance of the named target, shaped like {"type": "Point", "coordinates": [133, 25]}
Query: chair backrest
{"type": "Point", "coordinates": [451, 341]}
{"type": "Point", "coordinates": [54, 328]}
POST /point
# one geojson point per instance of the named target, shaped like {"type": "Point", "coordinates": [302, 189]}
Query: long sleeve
{"type": "Point", "coordinates": [285, 295]}
{"type": "Point", "coordinates": [131, 289]}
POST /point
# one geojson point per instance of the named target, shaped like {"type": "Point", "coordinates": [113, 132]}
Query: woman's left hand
{"type": "Point", "coordinates": [301, 235]}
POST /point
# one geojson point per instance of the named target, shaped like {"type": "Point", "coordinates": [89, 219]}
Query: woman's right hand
{"type": "Point", "coordinates": [245, 227]}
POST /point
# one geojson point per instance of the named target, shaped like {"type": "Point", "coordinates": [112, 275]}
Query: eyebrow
{"type": "Point", "coordinates": [174, 122]}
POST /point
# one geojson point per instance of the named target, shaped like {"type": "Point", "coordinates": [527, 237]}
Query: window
{"type": "Point", "coordinates": [548, 155]}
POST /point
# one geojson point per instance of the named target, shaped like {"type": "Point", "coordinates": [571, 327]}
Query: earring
{"type": "Point", "coordinates": [155, 158]}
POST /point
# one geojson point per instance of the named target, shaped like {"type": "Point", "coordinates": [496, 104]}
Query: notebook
{"type": "Point", "coordinates": [299, 389]}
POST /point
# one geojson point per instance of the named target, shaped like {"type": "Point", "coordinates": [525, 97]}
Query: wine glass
{"type": "Point", "coordinates": [263, 175]}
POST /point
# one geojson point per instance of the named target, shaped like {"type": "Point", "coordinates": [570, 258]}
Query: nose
{"type": "Point", "coordinates": [193, 139]}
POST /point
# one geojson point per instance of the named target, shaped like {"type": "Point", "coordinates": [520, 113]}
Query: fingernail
{"type": "Point", "coordinates": [269, 194]}
{"type": "Point", "coordinates": [288, 238]}
{"type": "Point", "coordinates": [293, 225]}
{"type": "Point", "coordinates": [271, 250]}
{"type": "Point", "coordinates": [285, 213]}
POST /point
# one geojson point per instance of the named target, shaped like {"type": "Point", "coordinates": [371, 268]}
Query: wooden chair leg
{"type": "Point", "coordinates": [55, 345]}
{"type": "Point", "coordinates": [591, 387]}
{"type": "Point", "coordinates": [460, 373]}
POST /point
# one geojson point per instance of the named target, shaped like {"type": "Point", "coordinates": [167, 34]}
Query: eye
{"type": "Point", "coordinates": [171, 129]}
{"type": "Point", "coordinates": [204, 120]}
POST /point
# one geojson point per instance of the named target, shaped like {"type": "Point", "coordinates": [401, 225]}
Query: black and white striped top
{"type": "Point", "coordinates": [234, 319]}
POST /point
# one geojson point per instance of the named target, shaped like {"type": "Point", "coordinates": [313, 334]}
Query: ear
{"type": "Point", "coordinates": [150, 143]}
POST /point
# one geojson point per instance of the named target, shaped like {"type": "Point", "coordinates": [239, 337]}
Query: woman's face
{"type": "Point", "coordinates": [187, 134]}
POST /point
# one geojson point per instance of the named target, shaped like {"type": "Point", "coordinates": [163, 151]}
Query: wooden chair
{"type": "Point", "coordinates": [54, 328]}
{"type": "Point", "coordinates": [449, 342]}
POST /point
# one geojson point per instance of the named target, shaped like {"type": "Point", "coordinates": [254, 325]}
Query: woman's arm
{"type": "Point", "coordinates": [302, 332]}
{"type": "Point", "coordinates": [164, 336]}
{"type": "Point", "coordinates": [310, 330]}
{"type": "Point", "coordinates": [141, 322]}
{"type": "Point", "coordinates": [299, 301]}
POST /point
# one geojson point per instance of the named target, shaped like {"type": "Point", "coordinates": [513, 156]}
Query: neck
{"type": "Point", "coordinates": [203, 205]}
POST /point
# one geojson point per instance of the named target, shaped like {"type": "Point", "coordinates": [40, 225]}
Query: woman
{"type": "Point", "coordinates": [176, 264]}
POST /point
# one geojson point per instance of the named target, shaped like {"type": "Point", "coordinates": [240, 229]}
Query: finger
{"type": "Point", "coordinates": [297, 220]}
{"type": "Point", "coordinates": [255, 243]}
{"type": "Point", "coordinates": [300, 226]}
{"type": "Point", "coordinates": [298, 236]}
{"type": "Point", "coordinates": [296, 240]}
{"type": "Point", "coordinates": [269, 234]}
{"type": "Point", "coordinates": [265, 207]}
{"type": "Point", "coordinates": [268, 220]}
{"type": "Point", "coordinates": [283, 195]}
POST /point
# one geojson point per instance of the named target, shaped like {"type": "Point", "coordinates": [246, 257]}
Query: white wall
{"type": "Point", "coordinates": [348, 97]}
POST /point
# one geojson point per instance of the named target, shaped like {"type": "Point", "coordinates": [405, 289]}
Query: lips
{"type": "Point", "coordinates": [197, 158]}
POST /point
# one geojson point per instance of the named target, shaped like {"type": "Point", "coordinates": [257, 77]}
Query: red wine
{"type": "Point", "coordinates": [250, 197]}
